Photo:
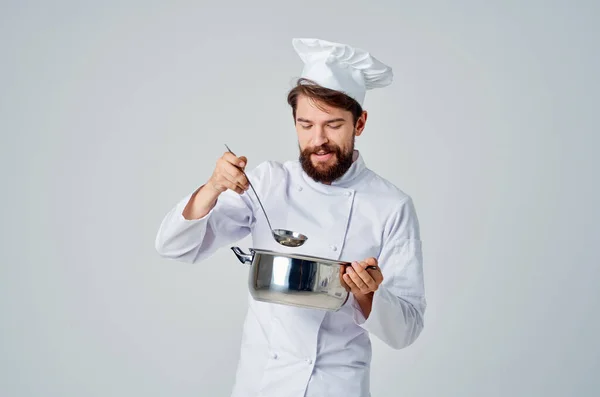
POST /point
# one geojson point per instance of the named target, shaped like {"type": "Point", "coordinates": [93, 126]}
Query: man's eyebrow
{"type": "Point", "coordinates": [300, 119]}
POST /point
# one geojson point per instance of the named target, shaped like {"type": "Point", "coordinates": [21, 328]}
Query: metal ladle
{"type": "Point", "coordinates": [284, 237]}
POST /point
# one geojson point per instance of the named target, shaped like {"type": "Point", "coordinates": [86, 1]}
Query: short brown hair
{"type": "Point", "coordinates": [321, 94]}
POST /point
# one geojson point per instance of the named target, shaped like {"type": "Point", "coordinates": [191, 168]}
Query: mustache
{"type": "Point", "coordinates": [324, 147]}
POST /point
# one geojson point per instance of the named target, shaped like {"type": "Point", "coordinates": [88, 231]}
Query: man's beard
{"type": "Point", "coordinates": [327, 173]}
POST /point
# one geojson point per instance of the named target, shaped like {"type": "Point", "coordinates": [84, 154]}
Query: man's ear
{"type": "Point", "coordinates": [361, 123]}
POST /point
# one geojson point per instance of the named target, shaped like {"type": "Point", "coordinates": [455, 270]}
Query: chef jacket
{"type": "Point", "coordinates": [292, 351]}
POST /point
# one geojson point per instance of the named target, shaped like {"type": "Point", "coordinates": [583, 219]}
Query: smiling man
{"type": "Point", "coordinates": [348, 212]}
{"type": "Point", "coordinates": [327, 125]}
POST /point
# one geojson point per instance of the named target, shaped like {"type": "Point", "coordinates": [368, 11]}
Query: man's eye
{"type": "Point", "coordinates": [305, 126]}
{"type": "Point", "coordinates": [335, 127]}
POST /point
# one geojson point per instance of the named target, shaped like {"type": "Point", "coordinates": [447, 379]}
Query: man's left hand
{"type": "Point", "coordinates": [362, 281]}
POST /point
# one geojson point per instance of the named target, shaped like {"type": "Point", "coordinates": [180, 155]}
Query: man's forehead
{"type": "Point", "coordinates": [308, 110]}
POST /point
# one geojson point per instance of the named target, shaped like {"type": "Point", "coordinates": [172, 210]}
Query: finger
{"type": "Point", "coordinates": [348, 281]}
{"type": "Point", "coordinates": [371, 261]}
{"type": "Point", "coordinates": [358, 281]}
{"type": "Point", "coordinates": [226, 181]}
{"type": "Point", "coordinates": [343, 278]}
{"type": "Point", "coordinates": [234, 175]}
{"type": "Point", "coordinates": [365, 275]}
{"type": "Point", "coordinates": [377, 275]}
{"type": "Point", "coordinates": [223, 184]}
{"type": "Point", "coordinates": [234, 160]}
{"type": "Point", "coordinates": [236, 188]}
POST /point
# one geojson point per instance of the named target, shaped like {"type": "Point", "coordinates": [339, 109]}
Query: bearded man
{"type": "Point", "coordinates": [349, 213]}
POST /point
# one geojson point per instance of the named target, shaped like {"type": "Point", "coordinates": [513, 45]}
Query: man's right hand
{"type": "Point", "coordinates": [226, 175]}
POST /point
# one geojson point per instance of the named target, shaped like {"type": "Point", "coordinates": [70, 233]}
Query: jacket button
{"type": "Point", "coordinates": [333, 248]}
{"type": "Point", "coordinates": [274, 355]}
{"type": "Point", "coordinates": [348, 193]}
{"type": "Point", "coordinates": [309, 361]}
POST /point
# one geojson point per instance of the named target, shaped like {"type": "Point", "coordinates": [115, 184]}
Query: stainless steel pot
{"type": "Point", "coordinates": [295, 280]}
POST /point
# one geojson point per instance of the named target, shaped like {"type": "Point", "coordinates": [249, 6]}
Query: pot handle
{"type": "Point", "coordinates": [244, 258]}
{"type": "Point", "coordinates": [368, 267]}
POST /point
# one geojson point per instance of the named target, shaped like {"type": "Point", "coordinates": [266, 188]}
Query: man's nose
{"type": "Point", "coordinates": [320, 137]}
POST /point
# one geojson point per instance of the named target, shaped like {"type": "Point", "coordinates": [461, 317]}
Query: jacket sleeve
{"type": "Point", "coordinates": [230, 220]}
{"type": "Point", "coordinates": [397, 314]}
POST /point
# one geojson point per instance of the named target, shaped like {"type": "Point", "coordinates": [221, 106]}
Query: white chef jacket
{"type": "Point", "coordinates": [297, 352]}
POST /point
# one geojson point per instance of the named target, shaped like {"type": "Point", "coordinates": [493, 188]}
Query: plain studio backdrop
{"type": "Point", "coordinates": [112, 111]}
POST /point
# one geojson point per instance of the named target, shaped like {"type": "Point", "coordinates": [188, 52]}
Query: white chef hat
{"type": "Point", "coordinates": [341, 67]}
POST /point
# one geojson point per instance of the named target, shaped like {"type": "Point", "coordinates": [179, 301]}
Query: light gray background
{"type": "Point", "coordinates": [111, 111]}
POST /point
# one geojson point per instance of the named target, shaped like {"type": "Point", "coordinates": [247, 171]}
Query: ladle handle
{"type": "Point", "coordinates": [250, 183]}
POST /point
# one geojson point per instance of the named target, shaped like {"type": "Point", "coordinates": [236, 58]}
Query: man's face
{"type": "Point", "coordinates": [326, 139]}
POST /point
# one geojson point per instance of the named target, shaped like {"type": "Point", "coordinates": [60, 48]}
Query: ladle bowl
{"type": "Point", "coordinates": [289, 238]}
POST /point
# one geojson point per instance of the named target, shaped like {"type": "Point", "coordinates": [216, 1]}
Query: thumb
{"type": "Point", "coordinates": [371, 261]}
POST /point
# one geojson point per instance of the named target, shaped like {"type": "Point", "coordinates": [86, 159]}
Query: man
{"type": "Point", "coordinates": [348, 212]}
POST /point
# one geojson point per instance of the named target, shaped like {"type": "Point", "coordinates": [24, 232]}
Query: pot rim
{"type": "Point", "coordinates": [299, 256]}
